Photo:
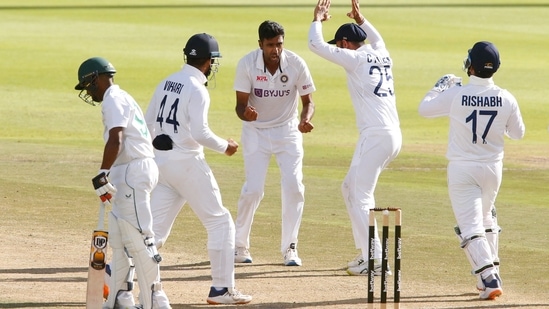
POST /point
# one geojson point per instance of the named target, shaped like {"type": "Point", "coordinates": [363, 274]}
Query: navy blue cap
{"type": "Point", "coordinates": [350, 32]}
{"type": "Point", "coordinates": [202, 45]}
{"type": "Point", "coordinates": [484, 57]}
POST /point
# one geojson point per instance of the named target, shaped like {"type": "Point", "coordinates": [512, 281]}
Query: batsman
{"type": "Point", "coordinates": [126, 178]}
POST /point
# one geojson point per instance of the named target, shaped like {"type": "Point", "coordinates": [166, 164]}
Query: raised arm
{"type": "Point", "coordinates": [322, 11]}
{"type": "Point", "coordinates": [373, 35]}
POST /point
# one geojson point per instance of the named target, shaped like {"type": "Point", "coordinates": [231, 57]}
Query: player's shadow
{"type": "Point", "coordinates": [242, 271]}
{"type": "Point", "coordinates": [44, 275]}
{"type": "Point", "coordinates": [248, 271]}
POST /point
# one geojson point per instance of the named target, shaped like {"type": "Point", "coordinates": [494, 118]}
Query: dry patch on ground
{"type": "Point", "coordinates": [45, 271]}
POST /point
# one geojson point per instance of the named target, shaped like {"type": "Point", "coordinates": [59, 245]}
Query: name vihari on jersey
{"type": "Point", "coordinates": [173, 87]}
{"type": "Point", "coordinates": [481, 101]}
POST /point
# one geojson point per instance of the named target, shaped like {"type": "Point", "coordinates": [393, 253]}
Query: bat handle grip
{"type": "Point", "coordinates": [101, 221]}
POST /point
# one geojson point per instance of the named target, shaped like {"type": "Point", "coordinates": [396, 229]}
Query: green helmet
{"type": "Point", "coordinates": [89, 69]}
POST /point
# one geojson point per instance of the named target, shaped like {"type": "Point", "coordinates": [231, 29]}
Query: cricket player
{"type": "Point", "coordinates": [370, 84]}
{"type": "Point", "coordinates": [269, 82]}
{"type": "Point", "coordinates": [178, 120]}
{"type": "Point", "coordinates": [126, 177]}
{"type": "Point", "coordinates": [481, 115]}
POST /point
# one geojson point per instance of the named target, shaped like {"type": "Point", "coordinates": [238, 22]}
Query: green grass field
{"type": "Point", "coordinates": [51, 142]}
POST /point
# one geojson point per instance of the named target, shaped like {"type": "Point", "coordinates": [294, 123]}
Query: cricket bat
{"type": "Point", "coordinates": [97, 263]}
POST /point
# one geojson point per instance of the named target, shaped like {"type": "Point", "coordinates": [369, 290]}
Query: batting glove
{"type": "Point", "coordinates": [103, 187]}
{"type": "Point", "coordinates": [447, 81]}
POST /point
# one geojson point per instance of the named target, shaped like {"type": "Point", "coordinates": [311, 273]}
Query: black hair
{"type": "Point", "coordinates": [270, 29]}
{"type": "Point", "coordinates": [483, 74]}
{"type": "Point", "coordinates": [196, 62]}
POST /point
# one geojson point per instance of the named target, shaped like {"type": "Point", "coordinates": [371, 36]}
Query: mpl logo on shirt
{"type": "Point", "coordinates": [268, 93]}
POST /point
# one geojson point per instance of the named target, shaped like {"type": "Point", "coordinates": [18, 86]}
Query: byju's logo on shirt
{"type": "Point", "coordinates": [266, 93]}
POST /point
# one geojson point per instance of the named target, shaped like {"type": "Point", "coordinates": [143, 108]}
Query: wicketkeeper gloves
{"type": "Point", "coordinates": [447, 81]}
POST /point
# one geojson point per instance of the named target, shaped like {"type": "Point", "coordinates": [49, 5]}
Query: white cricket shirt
{"type": "Point", "coordinates": [275, 97]}
{"type": "Point", "coordinates": [179, 108]}
{"type": "Point", "coordinates": [481, 114]}
{"type": "Point", "coordinates": [119, 109]}
{"type": "Point", "coordinates": [369, 77]}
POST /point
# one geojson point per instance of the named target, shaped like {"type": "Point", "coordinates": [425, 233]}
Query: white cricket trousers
{"type": "Point", "coordinates": [134, 182]}
{"type": "Point", "coordinates": [374, 151]}
{"type": "Point", "coordinates": [286, 144]}
{"type": "Point", "coordinates": [473, 188]}
{"type": "Point", "coordinates": [191, 180]}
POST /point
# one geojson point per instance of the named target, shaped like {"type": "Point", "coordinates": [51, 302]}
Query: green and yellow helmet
{"type": "Point", "coordinates": [90, 69]}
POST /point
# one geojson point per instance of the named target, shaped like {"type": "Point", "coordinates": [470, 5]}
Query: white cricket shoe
{"type": "Point", "coordinates": [242, 255]}
{"type": "Point", "coordinates": [290, 257]}
{"type": "Point", "coordinates": [359, 259]}
{"type": "Point", "coordinates": [227, 296]}
{"type": "Point", "coordinates": [492, 287]}
{"type": "Point", "coordinates": [362, 269]}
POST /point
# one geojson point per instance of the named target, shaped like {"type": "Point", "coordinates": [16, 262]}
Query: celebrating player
{"type": "Point", "coordinates": [268, 84]}
{"type": "Point", "coordinates": [481, 115]}
{"type": "Point", "coordinates": [370, 83]}
{"type": "Point", "coordinates": [132, 175]}
{"type": "Point", "coordinates": [178, 120]}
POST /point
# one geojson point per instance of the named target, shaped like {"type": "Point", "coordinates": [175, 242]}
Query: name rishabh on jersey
{"type": "Point", "coordinates": [481, 101]}
{"type": "Point", "coordinates": [481, 114]}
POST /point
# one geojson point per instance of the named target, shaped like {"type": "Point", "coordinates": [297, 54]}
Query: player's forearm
{"type": "Point", "coordinates": [240, 109]}
{"type": "Point", "coordinates": [110, 153]}
{"type": "Point", "coordinates": [201, 132]}
{"type": "Point", "coordinates": [208, 139]}
{"type": "Point", "coordinates": [373, 35]}
{"type": "Point", "coordinates": [430, 107]}
{"type": "Point", "coordinates": [515, 127]}
{"type": "Point", "coordinates": [316, 40]}
{"type": "Point", "coordinates": [308, 111]}
{"type": "Point", "coordinates": [112, 147]}
{"type": "Point", "coordinates": [318, 46]}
